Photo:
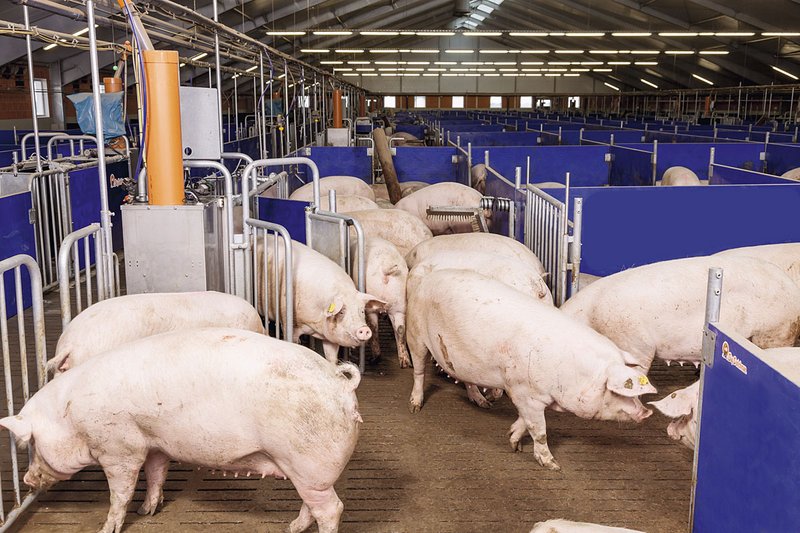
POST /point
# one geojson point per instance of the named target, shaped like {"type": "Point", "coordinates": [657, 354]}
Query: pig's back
{"type": "Point", "coordinates": [349, 185]}
{"type": "Point", "coordinates": [117, 321]}
{"type": "Point", "coordinates": [192, 393]}
{"type": "Point", "coordinates": [400, 228]}
{"type": "Point", "coordinates": [786, 256]}
{"type": "Point", "coordinates": [470, 242]}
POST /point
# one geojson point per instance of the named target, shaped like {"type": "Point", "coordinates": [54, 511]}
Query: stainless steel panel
{"type": "Point", "coordinates": [11, 184]}
{"type": "Point", "coordinates": [330, 238]}
{"type": "Point", "coordinates": [165, 248]}
{"type": "Point", "coordinates": [200, 133]}
{"type": "Point", "coordinates": [338, 137]}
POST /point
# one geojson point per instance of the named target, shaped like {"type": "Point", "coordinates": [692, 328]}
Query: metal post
{"type": "Point", "coordinates": [262, 129]}
{"type": "Point", "coordinates": [33, 90]}
{"type": "Point", "coordinates": [332, 200]}
{"type": "Point", "coordinates": [286, 107]}
{"type": "Point", "coordinates": [713, 304]}
{"type": "Point", "coordinates": [218, 72]}
{"type": "Point", "coordinates": [105, 214]}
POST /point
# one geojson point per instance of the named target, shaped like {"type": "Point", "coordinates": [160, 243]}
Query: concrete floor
{"type": "Point", "coordinates": [447, 469]}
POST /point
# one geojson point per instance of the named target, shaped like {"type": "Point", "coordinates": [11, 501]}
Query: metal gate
{"type": "Point", "coordinates": [75, 265]}
{"type": "Point", "coordinates": [555, 239]}
{"type": "Point", "coordinates": [17, 388]}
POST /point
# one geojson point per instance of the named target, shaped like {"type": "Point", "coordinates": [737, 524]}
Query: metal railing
{"type": "Point", "coordinates": [69, 259]}
{"type": "Point", "coordinates": [15, 264]}
{"type": "Point", "coordinates": [52, 217]}
{"type": "Point", "coordinates": [266, 282]}
{"type": "Point", "coordinates": [335, 244]}
{"type": "Point", "coordinates": [554, 239]}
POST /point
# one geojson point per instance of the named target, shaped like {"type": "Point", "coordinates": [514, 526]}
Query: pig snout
{"type": "Point", "coordinates": [39, 479]}
{"type": "Point", "coordinates": [363, 333]}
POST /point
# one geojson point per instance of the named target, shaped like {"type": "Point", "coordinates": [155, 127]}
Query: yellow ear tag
{"type": "Point", "coordinates": [643, 380]}
{"type": "Point", "coordinates": [331, 307]}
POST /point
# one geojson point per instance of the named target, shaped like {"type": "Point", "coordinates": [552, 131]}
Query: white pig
{"type": "Point", "coordinates": [793, 174]}
{"type": "Point", "coordinates": [219, 398]}
{"type": "Point", "coordinates": [566, 526]}
{"type": "Point", "coordinates": [346, 203]}
{"type": "Point", "coordinates": [786, 256]}
{"type": "Point", "coordinates": [681, 405]}
{"type": "Point", "coordinates": [406, 187]}
{"type": "Point", "coordinates": [327, 305]}
{"type": "Point", "coordinates": [538, 355]}
{"type": "Point", "coordinates": [386, 275]}
{"type": "Point", "coordinates": [402, 229]}
{"type": "Point", "coordinates": [679, 176]}
{"type": "Point", "coordinates": [503, 268]}
{"type": "Point", "coordinates": [123, 319]}
{"type": "Point", "coordinates": [342, 184]}
{"type": "Point", "coordinates": [437, 195]}
{"type": "Point", "coordinates": [484, 242]}
{"type": "Point", "coordinates": [659, 309]}
{"type": "Point", "coordinates": [478, 176]}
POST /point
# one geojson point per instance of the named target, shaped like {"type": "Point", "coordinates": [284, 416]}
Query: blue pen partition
{"type": "Point", "coordinates": [84, 188]}
{"type": "Point", "coordinates": [725, 175]}
{"type": "Point", "coordinates": [502, 138]}
{"type": "Point", "coordinates": [782, 158]}
{"type": "Point", "coordinates": [17, 237]}
{"type": "Point", "coordinates": [746, 156]}
{"type": "Point", "coordinates": [747, 460]}
{"type": "Point", "coordinates": [429, 164]}
{"type": "Point", "coordinates": [624, 227]}
{"type": "Point", "coordinates": [291, 214]}
{"type": "Point", "coordinates": [630, 167]}
{"type": "Point", "coordinates": [341, 161]}
{"type": "Point", "coordinates": [586, 164]}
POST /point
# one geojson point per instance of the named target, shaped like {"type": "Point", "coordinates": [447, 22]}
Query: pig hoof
{"type": "Point", "coordinates": [414, 407]}
{"type": "Point", "coordinates": [405, 362]}
{"type": "Point", "coordinates": [551, 465]}
{"type": "Point", "coordinates": [482, 402]}
{"type": "Point", "coordinates": [148, 508]}
{"type": "Point", "coordinates": [516, 446]}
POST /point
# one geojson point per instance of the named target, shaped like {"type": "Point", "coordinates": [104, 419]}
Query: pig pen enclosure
{"type": "Point", "coordinates": [449, 467]}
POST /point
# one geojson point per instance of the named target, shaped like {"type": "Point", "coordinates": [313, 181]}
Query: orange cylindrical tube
{"type": "Point", "coordinates": [337, 108]}
{"type": "Point", "coordinates": [362, 106]}
{"type": "Point", "coordinates": [112, 85]}
{"type": "Point", "coordinates": [163, 145]}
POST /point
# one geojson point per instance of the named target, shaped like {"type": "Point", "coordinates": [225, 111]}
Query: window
{"type": "Point", "coordinates": [543, 102]}
{"type": "Point", "coordinates": [574, 102]}
{"type": "Point", "coordinates": [40, 97]}
{"type": "Point", "coordinates": [458, 102]}
{"type": "Point", "coordinates": [419, 102]}
{"type": "Point", "coordinates": [303, 101]}
{"type": "Point", "coordinates": [389, 102]}
{"type": "Point", "coordinates": [495, 102]}
{"type": "Point", "coordinates": [346, 101]}
{"type": "Point", "coordinates": [526, 102]}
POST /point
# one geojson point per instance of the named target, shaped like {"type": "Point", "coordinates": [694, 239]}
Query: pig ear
{"type": "Point", "coordinates": [679, 403]}
{"type": "Point", "coordinates": [20, 427]}
{"type": "Point", "coordinates": [630, 359]}
{"type": "Point", "coordinates": [371, 303]}
{"type": "Point", "coordinates": [334, 307]}
{"type": "Point", "coordinates": [628, 382]}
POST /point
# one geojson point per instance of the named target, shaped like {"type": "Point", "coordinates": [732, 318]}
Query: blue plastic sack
{"type": "Point", "coordinates": [111, 105]}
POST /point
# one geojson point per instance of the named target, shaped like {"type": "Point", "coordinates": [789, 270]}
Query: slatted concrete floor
{"type": "Point", "coordinates": [447, 469]}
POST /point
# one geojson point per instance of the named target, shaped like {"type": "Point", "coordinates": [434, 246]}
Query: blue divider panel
{"type": "Point", "coordinates": [631, 226]}
{"type": "Point", "coordinates": [427, 163]}
{"type": "Point", "coordinates": [342, 161]}
{"type": "Point", "coordinates": [630, 167]}
{"type": "Point", "coordinates": [85, 196]}
{"type": "Point", "coordinates": [724, 175]}
{"type": "Point", "coordinates": [586, 164]}
{"type": "Point", "coordinates": [570, 137]}
{"type": "Point", "coordinates": [290, 214]}
{"type": "Point", "coordinates": [16, 237]}
{"type": "Point", "coordinates": [781, 158]}
{"type": "Point", "coordinates": [507, 138]}
{"type": "Point", "coordinates": [747, 460]}
{"type": "Point", "coordinates": [746, 156]}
